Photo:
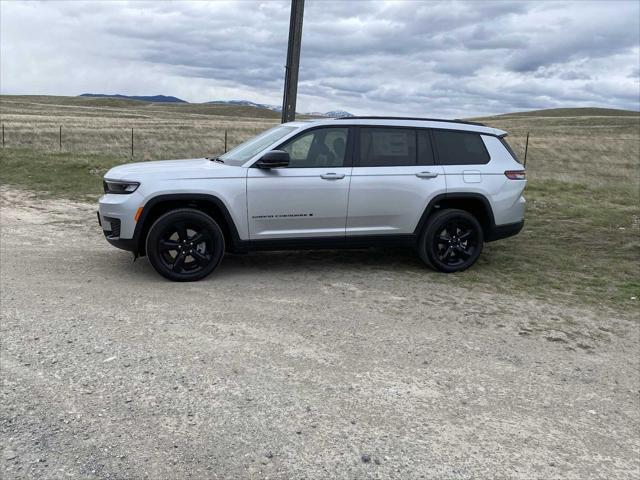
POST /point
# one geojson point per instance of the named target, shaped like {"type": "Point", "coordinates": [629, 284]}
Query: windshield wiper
{"type": "Point", "coordinates": [216, 159]}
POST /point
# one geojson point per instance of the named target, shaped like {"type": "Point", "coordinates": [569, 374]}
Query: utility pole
{"type": "Point", "coordinates": [293, 62]}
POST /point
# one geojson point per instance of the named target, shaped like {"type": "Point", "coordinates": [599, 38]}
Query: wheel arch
{"type": "Point", "coordinates": [209, 204]}
{"type": "Point", "coordinates": [475, 203]}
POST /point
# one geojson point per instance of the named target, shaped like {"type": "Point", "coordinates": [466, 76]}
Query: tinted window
{"type": "Point", "coordinates": [460, 148]}
{"type": "Point", "coordinates": [387, 147]}
{"type": "Point", "coordinates": [322, 147]}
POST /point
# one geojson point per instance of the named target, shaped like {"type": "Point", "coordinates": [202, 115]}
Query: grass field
{"type": "Point", "coordinates": [581, 243]}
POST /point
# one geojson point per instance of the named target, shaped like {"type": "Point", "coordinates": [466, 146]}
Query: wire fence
{"type": "Point", "coordinates": [111, 141]}
{"type": "Point", "coordinates": [133, 142]}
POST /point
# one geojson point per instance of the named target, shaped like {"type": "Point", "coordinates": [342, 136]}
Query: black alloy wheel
{"type": "Point", "coordinates": [452, 241]}
{"type": "Point", "coordinates": [185, 245]}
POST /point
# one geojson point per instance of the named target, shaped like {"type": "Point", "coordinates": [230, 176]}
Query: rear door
{"type": "Point", "coordinates": [309, 197]}
{"type": "Point", "coordinates": [393, 179]}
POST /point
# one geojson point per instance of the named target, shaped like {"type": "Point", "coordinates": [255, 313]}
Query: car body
{"type": "Point", "coordinates": [357, 181]}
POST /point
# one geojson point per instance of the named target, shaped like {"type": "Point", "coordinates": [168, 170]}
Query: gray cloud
{"type": "Point", "coordinates": [420, 58]}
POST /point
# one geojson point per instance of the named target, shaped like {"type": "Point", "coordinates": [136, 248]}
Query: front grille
{"type": "Point", "coordinates": [115, 227]}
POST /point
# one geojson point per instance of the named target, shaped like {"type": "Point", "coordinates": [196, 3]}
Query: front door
{"type": "Point", "coordinates": [309, 197]}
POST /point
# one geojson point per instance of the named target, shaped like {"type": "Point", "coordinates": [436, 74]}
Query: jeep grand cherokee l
{"type": "Point", "coordinates": [441, 187]}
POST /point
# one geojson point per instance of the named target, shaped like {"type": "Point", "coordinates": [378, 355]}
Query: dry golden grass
{"type": "Point", "coordinates": [161, 131]}
{"type": "Point", "coordinates": [588, 149]}
{"type": "Point", "coordinates": [581, 241]}
{"type": "Point", "coordinates": [564, 145]}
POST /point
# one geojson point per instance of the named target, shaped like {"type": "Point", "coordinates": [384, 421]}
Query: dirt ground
{"type": "Point", "coordinates": [295, 365]}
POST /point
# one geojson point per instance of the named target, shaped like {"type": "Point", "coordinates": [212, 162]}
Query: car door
{"type": "Point", "coordinates": [309, 197]}
{"type": "Point", "coordinates": [393, 179]}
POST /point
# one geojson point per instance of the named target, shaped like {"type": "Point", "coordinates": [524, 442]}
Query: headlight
{"type": "Point", "coordinates": [111, 186]}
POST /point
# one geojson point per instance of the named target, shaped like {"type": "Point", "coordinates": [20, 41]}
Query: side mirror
{"type": "Point", "coordinates": [273, 159]}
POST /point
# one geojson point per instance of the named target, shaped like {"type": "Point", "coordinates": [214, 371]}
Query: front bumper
{"type": "Point", "coordinates": [116, 216]}
{"type": "Point", "coordinates": [129, 245]}
{"type": "Point", "coordinates": [111, 230]}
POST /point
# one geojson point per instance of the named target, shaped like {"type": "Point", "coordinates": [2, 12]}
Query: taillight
{"type": "Point", "coordinates": [515, 174]}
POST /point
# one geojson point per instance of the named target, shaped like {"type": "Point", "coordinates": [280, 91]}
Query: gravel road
{"type": "Point", "coordinates": [295, 365]}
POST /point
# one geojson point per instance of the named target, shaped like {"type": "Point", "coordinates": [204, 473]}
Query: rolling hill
{"type": "Point", "coordinates": [144, 98]}
{"type": "Point", "coordinates": [573, 112]}
{"type": "Point", "coordinates": [582, 169]}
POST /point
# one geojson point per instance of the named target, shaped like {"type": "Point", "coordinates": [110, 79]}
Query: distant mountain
{"type": "Point", "coordinates": [144, 98]}
{"type": "Point", "coordinates": [246, 103]}
{"type": "Point", "coordinates": [334, 114]}
{"type": "Point", "coordinates": [276, 108]}
{"type": "Point", "coordinates": [238, 103]}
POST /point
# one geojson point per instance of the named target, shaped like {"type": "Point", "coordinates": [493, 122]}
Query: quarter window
{"type": "Point", "coordinates": [460, 148]}
{"type": "Point", "coordinates": [387, 147]}
{"type": "Point", "coordinates": [321, 147]}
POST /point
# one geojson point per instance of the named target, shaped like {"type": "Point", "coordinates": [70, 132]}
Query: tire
{"type": "Point", "coordinates": [185, 245]}
{"type": "Point", "coordinates": [451, 241]}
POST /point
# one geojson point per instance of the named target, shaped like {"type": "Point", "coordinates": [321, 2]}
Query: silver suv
{"type": "Point", "coordinates": [441, 187]}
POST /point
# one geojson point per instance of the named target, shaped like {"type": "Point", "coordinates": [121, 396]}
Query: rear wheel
{"type": "Point", "coordinates": [451, 241]}
{"type": "Point", "coordinates": [185, 245]}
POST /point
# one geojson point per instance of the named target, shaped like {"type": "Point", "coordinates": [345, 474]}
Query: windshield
{"type": "Point", "coordinates": [243, 152]}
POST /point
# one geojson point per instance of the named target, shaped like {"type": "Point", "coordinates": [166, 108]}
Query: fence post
{"type": "Point", "coordinates": [3, 135]}
{"type": "Point", "coordinates": [225, 140]}
{"type": "Point", "coordinates": [131, 142]}
{"type": "Point", "coordinates": [60, 137]}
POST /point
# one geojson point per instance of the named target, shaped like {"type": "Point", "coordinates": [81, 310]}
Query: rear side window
{"type": "Point", "coordinates": [387, 147]}
{"type": "Point", "coordinates": [460, 148]}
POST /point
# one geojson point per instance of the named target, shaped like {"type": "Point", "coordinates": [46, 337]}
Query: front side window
{"type": "Point", "coordinates": [243, 152]}
{"type": "Point", "coordinates": [460, 148]}
{"type": "Point", "coordinates": [387, 147]}
{"type": "Point", "coordinates": [320, 147]}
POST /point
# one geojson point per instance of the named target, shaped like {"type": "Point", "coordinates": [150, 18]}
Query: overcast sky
{"type": "Point", "coordinates": [419, 57]}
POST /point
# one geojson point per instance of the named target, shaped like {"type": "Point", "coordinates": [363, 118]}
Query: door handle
{"type": "Point", "coordinates": [332, 176]}
{"type": "Point", "coordinates": [426, 175]}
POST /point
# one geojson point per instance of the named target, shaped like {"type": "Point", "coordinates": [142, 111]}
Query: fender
{"type": "Point", "coordinates": [185, 197]}
{"type": "Point", "coordinates": [456, 196]}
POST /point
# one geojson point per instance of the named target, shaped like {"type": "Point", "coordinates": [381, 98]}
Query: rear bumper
{"type": "Point", "coordinates": [504, 231]}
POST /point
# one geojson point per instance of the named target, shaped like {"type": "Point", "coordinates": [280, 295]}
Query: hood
{"type": "Point", "coordinates": [176, 169]}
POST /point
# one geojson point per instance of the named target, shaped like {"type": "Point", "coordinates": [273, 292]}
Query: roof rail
{"type": "Point", "coordinates": [412, 118]}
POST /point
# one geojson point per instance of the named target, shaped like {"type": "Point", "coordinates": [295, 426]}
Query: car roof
{"type": "Point", "coordinates": [403, 122]}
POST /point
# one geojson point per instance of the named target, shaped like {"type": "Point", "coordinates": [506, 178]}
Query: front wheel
{"type": "Point", "coordinates": [185, 245]}
{"type": "Point", "coordinates": [451, 241]}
